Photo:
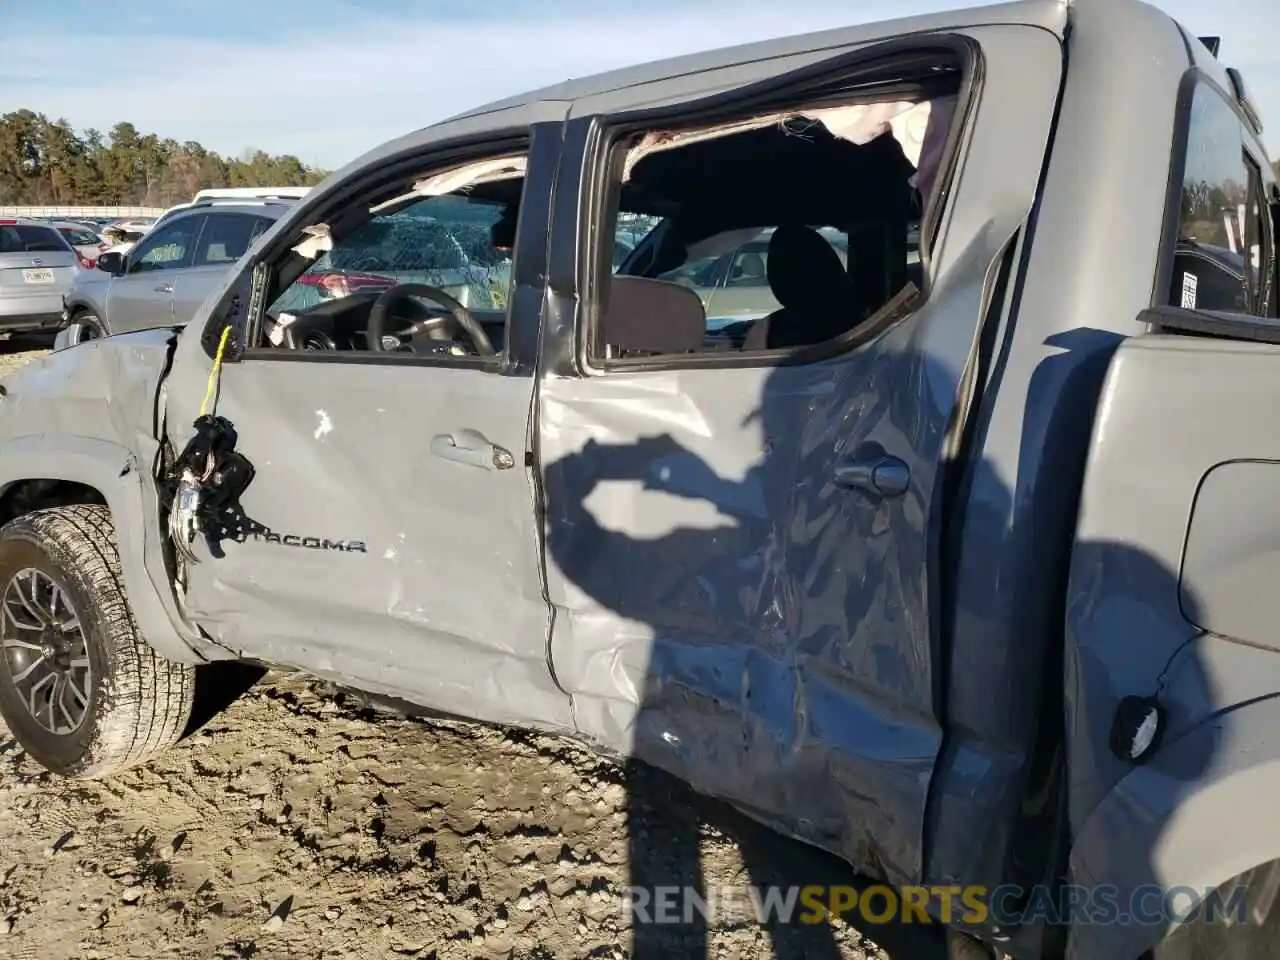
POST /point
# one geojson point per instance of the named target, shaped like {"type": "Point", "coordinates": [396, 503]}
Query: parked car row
{"type": "Point", "coordinates": [163, 279]}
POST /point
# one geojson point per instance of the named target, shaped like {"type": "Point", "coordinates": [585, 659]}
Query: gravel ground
{"type": "Point", "coordinates": [299, 823]}
{"type": "Point", "coordinates": [18, 350]}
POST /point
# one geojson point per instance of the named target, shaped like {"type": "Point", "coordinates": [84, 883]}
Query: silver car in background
{"type": "Point", "coordinates": [37, 267]}
{"type": "Point", "coordinates": [164, 278]}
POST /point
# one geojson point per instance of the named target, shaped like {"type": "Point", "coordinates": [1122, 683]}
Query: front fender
{"type": "Point", "coordinates": [116, 473]}
{"type": "Point", "coordinates": [1202, 811]}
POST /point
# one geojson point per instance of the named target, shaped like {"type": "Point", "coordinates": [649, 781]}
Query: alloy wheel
{"type": "Point", "coordinates": [45, 652]}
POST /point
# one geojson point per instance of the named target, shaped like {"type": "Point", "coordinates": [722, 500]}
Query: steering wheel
{"type": "Point", "coordinates": [433, 327]}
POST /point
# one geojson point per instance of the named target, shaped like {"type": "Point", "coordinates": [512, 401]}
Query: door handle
{"type": "Point", "coordinates": [164, 288]}
{"type": "Point", "coordinates": [471, 448]}
{"type": "Point", "coordinates": [881, 476]}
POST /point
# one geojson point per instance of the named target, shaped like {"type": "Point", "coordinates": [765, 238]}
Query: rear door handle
{"type": "Point", "coordinates": [164, 288]}
{"type": "Point", "coordinates": [471, 448]}
{"type": "Point", "coordinates": [881, 476]}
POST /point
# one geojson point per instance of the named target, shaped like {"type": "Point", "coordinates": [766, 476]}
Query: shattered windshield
{"type": "Point", "coordinates": [446, 242]}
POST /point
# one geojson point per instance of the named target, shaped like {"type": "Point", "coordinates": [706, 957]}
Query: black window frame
{"type": "Point", "coordinates": [602, 161]}
{"type": "Point", "coordinates": [1260, 231]}
{"type": "Point", "coordinates": [1265, 299]}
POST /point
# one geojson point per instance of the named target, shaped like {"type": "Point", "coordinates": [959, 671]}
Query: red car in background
{"type": "Point", "coordinates": [86, 243]}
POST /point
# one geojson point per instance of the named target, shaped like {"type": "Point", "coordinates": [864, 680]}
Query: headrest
{"type": "Point", "coordinates": [804, 269]}
{"type": "Point", "coordinates": [750, 265]}
{"type": "Point", "coordinates": [652, 316]}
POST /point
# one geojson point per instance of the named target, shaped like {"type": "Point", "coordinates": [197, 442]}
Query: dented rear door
{"type": "Point", "coordinates": [728, 603]}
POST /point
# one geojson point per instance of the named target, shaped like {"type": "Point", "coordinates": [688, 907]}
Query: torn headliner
{"type": "Point", "coordinates": [792, 146]}
{"type": "Point", "coordinates": [857, 123]}
{"type": "Point", "coordinates": [830, 166]}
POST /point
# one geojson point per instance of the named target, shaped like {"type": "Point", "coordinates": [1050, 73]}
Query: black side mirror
{"type": "Point", "coordinates": [112, 263]}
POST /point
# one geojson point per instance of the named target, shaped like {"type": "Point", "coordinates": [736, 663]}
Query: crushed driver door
{"type": "Point", "coordinates": [399, 553]}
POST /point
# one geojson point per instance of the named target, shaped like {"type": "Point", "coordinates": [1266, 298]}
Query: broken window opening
{"type": "Point", "coordinates": [774, 231]}
{"type": "Point", "coordinates": [451, 229]}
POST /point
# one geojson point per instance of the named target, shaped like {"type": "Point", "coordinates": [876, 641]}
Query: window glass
{"type": "Point", "coordinates": [761, 219]}
{"type": "Point", "coordinates": [25, 239]}
{"type": "Point", "coordinates": [225, 238]}
{"type": "Point", "coordinates": [747, 267]}
{"type": "Point", "coordinates": [446, 242]}
{"type": "Point", "coordinates": [1210, 258]}
{"type": "Point", "coordinates": [698, 273]}
{"type": "Point", "coordinates": [261, 225]}
{"type": "Point", "coordinates": [764, 246]}
{"type": "Point", "coordinates": [78, 236]}
{"type": "Point", "coordinates": [631, 230]}
{"type": "Point", "coordinates": [169, 248]}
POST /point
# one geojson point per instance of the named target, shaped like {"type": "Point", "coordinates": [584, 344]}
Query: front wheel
{"type": "Point", "coordinates": [80, 689]}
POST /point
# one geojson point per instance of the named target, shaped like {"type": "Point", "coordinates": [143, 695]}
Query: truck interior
{"type": "Point", "coordinates": [810, 219]}
{"type": "Point", "coordinates": [450, 232]}
{"type": "Point", "coordinates": [807, 219]}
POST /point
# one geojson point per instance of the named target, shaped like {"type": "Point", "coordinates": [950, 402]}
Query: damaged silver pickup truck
{"type": "Point", "coordinates": [951, 550]}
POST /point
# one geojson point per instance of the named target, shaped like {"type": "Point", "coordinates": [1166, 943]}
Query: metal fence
{"type": "Point", "coordinates": [74, 212]}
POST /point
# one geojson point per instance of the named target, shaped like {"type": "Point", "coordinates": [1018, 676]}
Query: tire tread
{"type": "Point", "coordinates": [148, 697]}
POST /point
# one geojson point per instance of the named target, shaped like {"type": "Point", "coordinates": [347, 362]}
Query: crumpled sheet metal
{"type": "Point", "coordinates": [86, 414]}
{"type": "Point", "coordinates": [445, 607]}
{"type": "Point", "coordinates": [726, 612]}
{"type": "Point", "coordinates": [103, 390]}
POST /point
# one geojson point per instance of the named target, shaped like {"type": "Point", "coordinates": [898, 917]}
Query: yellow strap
{"type": "Point", "coordinates": [213, 374]}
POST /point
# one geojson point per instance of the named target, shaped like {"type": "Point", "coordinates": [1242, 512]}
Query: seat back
{"type": "Point", "coordinates": [648, 317]}
{"type": "Point", "coordinates": [808, 279]}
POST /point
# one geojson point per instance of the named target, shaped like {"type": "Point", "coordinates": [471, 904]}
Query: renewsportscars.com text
{"type": "Point", "coordinates": [976, 906]}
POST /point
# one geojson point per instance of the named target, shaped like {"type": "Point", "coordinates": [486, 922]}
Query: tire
{"type": "Point", "coordinates": [118, 703]}
{"type": "Point", "coordinates": [963, 947]}
{"type": "Point", "coordinates": [85, 325]}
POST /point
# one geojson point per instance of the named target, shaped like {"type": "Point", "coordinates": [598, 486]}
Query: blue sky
{"type": "Point", "coordinates": [328, 79]}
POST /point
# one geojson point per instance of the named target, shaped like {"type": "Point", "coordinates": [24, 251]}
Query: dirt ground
{"type": "Point", "coordinates": [18, 350]}
{"type": "Point", "coordinates": [299, 823]}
